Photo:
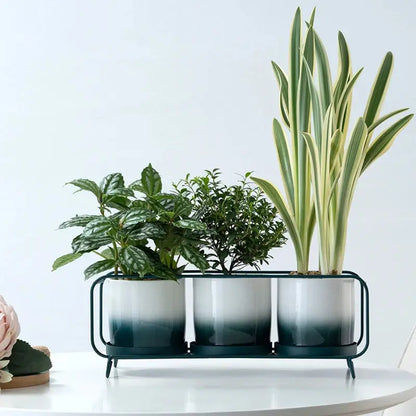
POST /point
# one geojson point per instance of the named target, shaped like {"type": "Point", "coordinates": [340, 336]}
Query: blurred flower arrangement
{"type": "Point", "coordinates": [9, 331]}
{"type": "Point", "coordinates": [17, 357]}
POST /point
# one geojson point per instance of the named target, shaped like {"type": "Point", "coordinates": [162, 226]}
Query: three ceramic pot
{"type": "Point", "coordinates": [147, 315]}
{"type": "Point", "coordinates": [318, 314]}
{"type": "Point", "coordinates": [232, 312]}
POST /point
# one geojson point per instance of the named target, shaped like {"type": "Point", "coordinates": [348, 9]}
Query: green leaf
{"type": "Point", "coordinates": [111, 183]}
{"type": "Point", "coordinates": [65, 259]}
{"type": "Point", "coordinates": [137, 186]}
{"type": "Point", "coordinates": [96, 227]}
{"type": "Point", "coordinates": [182, 207]}
{"type": "Point", "coordinates": [134, 260]}
{"type": "Point", "coordinates": [162, 271]}
{"type": "Point", "coordinates": [195, 257]}
{"type": "Point", "coordinates": [190, 224]}
{"type": "Point", "coordinates": [382, 143]}
{"type": "Point", "coordinates": [378, 90]}
{"type": "Point", "coordinates": [146, 231]}
{"type": "Point", "coordinates": [122, 192]}
{"type": "Point", "coordinates": [25, 360]}
{"type": "Point", "coordinates": [163, 202]}
{"type": "Point", "coordinates": [78, 221]}
{"type": "Point", "coordinates": [108, 253]}
{"type": "Point", "coordinates": [86, 185]}
{"type": "Point", "coordinates": [118, 202]}
{"type": "Point", "coordinates": [136, 216]}
{"type": "Point", "coordinates": [81, 244]}
{"type": "Point", "coordinates": [151, 181]}
{"type": "Point", "coordinates": [98, 267]}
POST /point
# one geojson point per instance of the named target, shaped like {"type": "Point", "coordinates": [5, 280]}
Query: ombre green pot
{"type": "Point", "coordinates": [316, 316]}
{"type": "Point", "coordinates": [232, 315]}
{"type": "Point", "coordinates": [147, 316]}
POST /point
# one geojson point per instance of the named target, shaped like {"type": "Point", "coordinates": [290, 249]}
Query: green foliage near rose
{"type": "Point", "coordinates": [241, 225]}
{"type": "Point", "coordinates": [139, 230]}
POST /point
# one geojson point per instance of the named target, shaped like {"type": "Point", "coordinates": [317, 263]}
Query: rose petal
{"type": "Point", "coordinates": [5, 376]}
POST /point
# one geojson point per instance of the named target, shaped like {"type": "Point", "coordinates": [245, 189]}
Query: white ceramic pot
{"type": "Point", "coordinates": [146, 313]}
{"type": "Point", "coordinates": [232, 311]}
{"type": "Point", "coordinates": [316, 312]}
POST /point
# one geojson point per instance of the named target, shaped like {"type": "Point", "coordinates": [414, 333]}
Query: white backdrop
{"type": "Point", "coordinates": [93, 87]}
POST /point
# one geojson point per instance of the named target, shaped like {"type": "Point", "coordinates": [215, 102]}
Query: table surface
{"type": "Point", "coordinates": [210, 387]}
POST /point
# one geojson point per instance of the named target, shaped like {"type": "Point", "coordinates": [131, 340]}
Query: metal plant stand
{"type": "Point", "coordinates": [190, 350]}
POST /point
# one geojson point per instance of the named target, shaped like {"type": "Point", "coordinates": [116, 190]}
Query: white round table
{"type": "Point", "coordinates": [210, 387]}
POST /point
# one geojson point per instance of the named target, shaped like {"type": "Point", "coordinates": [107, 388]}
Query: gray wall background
{"type": "Point", "coordinates": [93, 87]}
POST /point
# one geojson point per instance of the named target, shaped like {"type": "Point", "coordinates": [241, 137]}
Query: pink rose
{"type": "Point", "coordinates": [9, 328]}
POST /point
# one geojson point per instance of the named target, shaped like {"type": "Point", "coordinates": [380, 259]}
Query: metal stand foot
{"type": "Point", "coordinates": [115, 362]}
{"type": "Point", "coordinates": [109, 364]}
{"type": "Point", "coordinates": [351, 367]}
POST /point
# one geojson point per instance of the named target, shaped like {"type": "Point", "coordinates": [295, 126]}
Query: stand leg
{"type": "Point", "coordinates": [109, 364]}
{"type": "Point", "coordinates": [115, 362]}
{"type": "Point", "coordinates": [351, 367]}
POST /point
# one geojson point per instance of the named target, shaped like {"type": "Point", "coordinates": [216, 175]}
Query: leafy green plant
{"type": "Point", "coordinates": [136, 235]}
{"type": "Point", "coordinates": [241, 224]}
{"type": "Point", "coordinates": [321, 168]}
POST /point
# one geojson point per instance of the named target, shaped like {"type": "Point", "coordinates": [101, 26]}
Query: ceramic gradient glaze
{"type": "Point", "coordinates": [232, 311]}
{"type": "Point", "coordinates": [316, 312]}
{"type": "Point", "coordinates": [146, 313]}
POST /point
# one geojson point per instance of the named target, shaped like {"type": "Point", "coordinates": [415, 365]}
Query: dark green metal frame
{"type": "Point", "coordinates": [191, 350]}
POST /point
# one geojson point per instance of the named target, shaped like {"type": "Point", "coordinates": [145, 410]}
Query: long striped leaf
{"type": "Point", "coordinates": [346, 98]}
{"type": "Point", "coordinates": [352, 165]}
{"type": "Point", "coordinates": [316, 107]}
{"type": "Point", "coordinates": [275, 196]}
{"type": "Point", "coordinates": [312, 18]}
{"type": "Point", "coordinates": [379, 89]}
{"type": "Point", "coordinates": [324, 73]}
{"type": "Point", "coordinates": [284, 161]}
{"type": "Point", "coordinates": [384, 118]}
{"type": "Point", "coordinates": [284, 93]}
{"type": "Point", "coordinates": [303, 95]}
{"type": "Point", "coordinates": [304, 117]}
{"type": "Point", "coordinates": [344, 68]}
{"type": "Point", "coordinates": [316, 168]}
{"type": "Point", "coordinates": [383, 142]}
{"type": "Point", "coordinates": [294, 73]}
{"type": "Point", "coordinates": [335, 150]}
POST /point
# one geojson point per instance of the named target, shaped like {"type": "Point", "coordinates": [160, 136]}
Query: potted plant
{"type": "Point", "coordinates": [320, 170]}
{"type": "Point", "coordinates": [141, 239]}
{"type": "Point", "coordinates": [232, 312]}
